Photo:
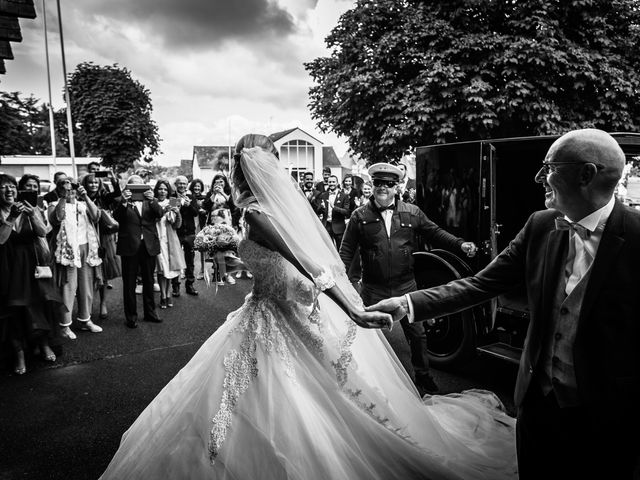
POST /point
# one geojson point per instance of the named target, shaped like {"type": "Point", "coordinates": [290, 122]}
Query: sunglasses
{"type": "Point", "coordinates": [386, 183]}
{"type": "Point", "coordinates": [551, 167]}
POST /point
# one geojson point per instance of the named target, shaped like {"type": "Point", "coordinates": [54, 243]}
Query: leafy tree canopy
{"type": "Point", "coordinates": [24, 126]}
{"type": "Point", "coordinates": [112, 112]}
{"type": "Point", "coordinates": [405, 73]}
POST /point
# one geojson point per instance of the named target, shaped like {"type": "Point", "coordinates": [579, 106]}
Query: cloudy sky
{"type": "Point", "coordinates": [216, 69]}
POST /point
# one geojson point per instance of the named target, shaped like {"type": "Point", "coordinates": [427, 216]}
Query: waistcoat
{"type": "Point", "coordinates": [558, 371]}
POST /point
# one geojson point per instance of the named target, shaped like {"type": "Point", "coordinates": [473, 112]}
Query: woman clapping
{"type": "Point", "coordinates": [78, 262]}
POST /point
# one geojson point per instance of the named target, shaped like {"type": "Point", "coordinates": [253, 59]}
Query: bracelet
{"type": "Point", "coordinates": [324, 281]}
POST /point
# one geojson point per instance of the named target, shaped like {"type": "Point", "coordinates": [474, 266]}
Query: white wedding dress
{"type": "Point", "coordinates": [290, 388]}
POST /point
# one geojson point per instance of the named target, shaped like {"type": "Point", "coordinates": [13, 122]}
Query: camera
{"type": "Point", "coordinates": [75, 186]}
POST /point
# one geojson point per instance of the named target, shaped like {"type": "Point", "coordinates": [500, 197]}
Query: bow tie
{"type": "Point", "coordinates": [564, 224]}
{"type": "Point", "coordinates": [389, 207]}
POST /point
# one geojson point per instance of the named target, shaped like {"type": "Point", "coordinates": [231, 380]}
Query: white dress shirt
{"type": "Point", "coordinates": [583, 251]}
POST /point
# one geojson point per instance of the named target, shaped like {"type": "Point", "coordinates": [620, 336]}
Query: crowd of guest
{"type": "Point", "coordinates": [59, 252]}
{"type": "Point", "coordinates": [88, 231]}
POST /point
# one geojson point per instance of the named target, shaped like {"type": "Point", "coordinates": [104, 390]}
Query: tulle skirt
{"type": "Point", "coordinates": [276, 393]}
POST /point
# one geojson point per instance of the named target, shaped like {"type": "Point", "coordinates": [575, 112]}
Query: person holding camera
{"type": "Point", "coordinates": [189, 211]}
{"type": "Point", "coordinates": [76, 253]}
{"type": "Point", "coordinates": [196, 190]}
{"type": "Point", "coordinates": [221, 209]}
{"type": "Point", "coordinates": [171, 261]}
{"type": "Point", "coordinates": [107, 232]}
{"type": "Point", "coordinates": [138, 246]}
{"type": "Point", "coordinates": [26, 302]}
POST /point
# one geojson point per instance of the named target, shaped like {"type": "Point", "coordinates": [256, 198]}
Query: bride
{"type": "Point", "coordinates": [291, 386]}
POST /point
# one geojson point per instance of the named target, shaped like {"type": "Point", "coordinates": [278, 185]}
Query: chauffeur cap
{"type": "Point", "coordinates": [385, 171]}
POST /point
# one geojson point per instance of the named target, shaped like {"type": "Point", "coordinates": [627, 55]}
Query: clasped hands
{"type": "Point", "coordinates": [382, 314]}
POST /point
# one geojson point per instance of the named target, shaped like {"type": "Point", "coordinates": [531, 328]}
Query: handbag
{"type": "Point", "coordinates": [41, 271]}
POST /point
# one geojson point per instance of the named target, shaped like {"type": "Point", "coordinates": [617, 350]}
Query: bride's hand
{"type": "Point", "coordinates": [372, 319]}
{"type": "Point", "coordinates": [396, 306]}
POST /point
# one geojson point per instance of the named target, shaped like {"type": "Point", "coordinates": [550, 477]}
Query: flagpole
{"type": "Point", "coordinates": [229, 138]}
{"type": "Point", "coordinates": [72, 151]}
{"type": "Point", "coordinates": [51, 119]}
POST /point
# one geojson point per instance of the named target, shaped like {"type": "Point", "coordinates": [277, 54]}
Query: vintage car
{"type": "Point", "coordinates": [483, 191]}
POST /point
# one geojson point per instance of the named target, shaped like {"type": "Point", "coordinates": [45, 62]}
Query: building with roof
{"type": "Point", "coordinates": [42, 165]}
{"type": "Point", "coordinates": [299, 151]}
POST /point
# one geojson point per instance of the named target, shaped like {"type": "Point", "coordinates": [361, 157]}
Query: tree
{"type": "Point", "coordinates": [24, 127]}
{"type": "Point", "coordinates": [404, 73]}
{"type": "Point", "coordinates": [112, 113]}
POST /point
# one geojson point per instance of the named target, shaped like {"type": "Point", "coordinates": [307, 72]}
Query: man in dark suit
{"type": "Point", "coordinates": [407, 186]}
{"type": "Point", "coordinates": [189, 210]}
{"type": "Point", "coordinates": [578, 385]}
{"type": "Point", "coordinates": [384, 234]}
{"type": "Point", "coordinates": [336, 207]}
{"type": "Point", "coordinates": [311, 193]}
{"type": "Point", "coordinates": [323, 186]}
{"type": "Point", "coordinates": [138, 246]}
{"type": "Point", "coordinates": [54, 195]}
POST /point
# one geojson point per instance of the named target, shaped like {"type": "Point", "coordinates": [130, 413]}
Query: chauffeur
{"type": "Point", "coordinates": [386, 231]}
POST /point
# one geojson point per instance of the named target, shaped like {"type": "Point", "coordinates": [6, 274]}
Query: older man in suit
{"type": "Point", "coordinates": [138, 246]}
{"type": "Point", "coordinates": [578, 385]}
{"type": "Point", "coordinates": [336, 208]}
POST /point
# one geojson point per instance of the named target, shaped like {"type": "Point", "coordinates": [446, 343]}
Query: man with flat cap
{"type": "Point", "coordinates": [386, 231]}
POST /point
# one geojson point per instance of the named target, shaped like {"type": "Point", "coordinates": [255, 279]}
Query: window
{"type": "Point", "coordinates": [297, 156]}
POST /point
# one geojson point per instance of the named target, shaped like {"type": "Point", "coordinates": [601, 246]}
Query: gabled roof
{"type": "Point", "coordinates": [329, 158]}
{"type": "Point", "coordinates": [278, 135]}
{"type": "Point", "coordinates": [213, 157]}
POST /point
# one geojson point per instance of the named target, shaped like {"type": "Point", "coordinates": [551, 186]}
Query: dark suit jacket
{"type": "Point", "coordinates": [188, 212]}
{"type": "Point", "coordinates": [406, 196]}
{"type": "Point", "coordinates": [315, 201]}
{"type": "Point", "coordinates": [341, 210]}
{"type": "Point", "coordinates": [133, 226]}
{"type": "Point", "coordinates": [321, 186]}
{"type": "Point", "coordinates": [607, 343]}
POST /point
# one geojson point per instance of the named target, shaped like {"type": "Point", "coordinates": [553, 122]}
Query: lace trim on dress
{"type": "Point", "coordinates": [240, 368]}
{"type": "Point", "coordinates": [325, 280]}
{"type": "Point", "coordinates": [346, 356]}
{"type": "Point", "coordinates": [259, 326]}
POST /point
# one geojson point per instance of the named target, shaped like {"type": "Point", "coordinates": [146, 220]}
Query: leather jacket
{"type": "Point", "coordinates": [387, 261]}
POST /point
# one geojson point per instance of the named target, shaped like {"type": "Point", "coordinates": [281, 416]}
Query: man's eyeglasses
{"type": "Point", "coordinates": [11, 186]}
{"type": "Point", "coordinates": [385, 183]}
{"type": "Point", "coordinates": [550, 167]}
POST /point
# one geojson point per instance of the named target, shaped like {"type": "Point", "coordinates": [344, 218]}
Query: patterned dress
{"type": "Point", "coordinates": [289, 387]}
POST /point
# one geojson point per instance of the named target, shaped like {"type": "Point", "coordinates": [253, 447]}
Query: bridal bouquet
{"type": "Point", "coordinates": [216, 238]}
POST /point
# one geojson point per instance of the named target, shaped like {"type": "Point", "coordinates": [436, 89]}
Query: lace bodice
{"type": "Point", "coordinates": [274, 277]}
